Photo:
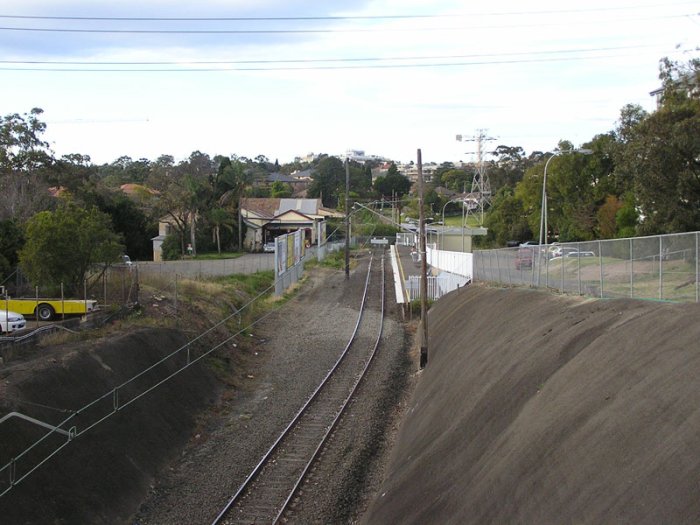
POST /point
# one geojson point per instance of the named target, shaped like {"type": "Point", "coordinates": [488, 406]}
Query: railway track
{"type": "Point", "coordinates": [266, 494]}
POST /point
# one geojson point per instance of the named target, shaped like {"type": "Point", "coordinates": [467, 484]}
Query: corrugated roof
{"type": "Point", "coordinates": [269, 207]}
{"type": "Point", "coordinates": [305, 206]}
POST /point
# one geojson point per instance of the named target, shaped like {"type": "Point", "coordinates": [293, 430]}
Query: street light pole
{"type": "Point", "coordinates": [443, 217]}
{"type": "Point", "coordinates": [543, 211]}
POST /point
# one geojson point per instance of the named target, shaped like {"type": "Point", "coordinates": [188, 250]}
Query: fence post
{"type": "Point", "coordinates": [562, 272]}
{"type": "Point", "coordinates": [578, 272]}
{"type": "Point", "coordinates": [661, 273]}
{"type": "Point", "coordinates": [631, 268]}
{"type": "Point", "coordinates": [498, 266]}
{"type": "Point", "coordinates": [697, 268]}
{"type": "Point", "coordinates": [600, 263]}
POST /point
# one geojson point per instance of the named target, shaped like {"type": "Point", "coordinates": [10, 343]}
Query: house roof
{"type": "Point", "coordinates": [270, 208]}
{"type": "Point", "coordinates": [281, 177]}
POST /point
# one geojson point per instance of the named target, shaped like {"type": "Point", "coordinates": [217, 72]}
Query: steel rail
{"type": "Point", "coordinates": [340, 413]}
{"type": "Point", "coordinates": [295, 421]}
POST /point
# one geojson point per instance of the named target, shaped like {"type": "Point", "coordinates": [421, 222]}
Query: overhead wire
{"type": "Point", "coordinates": [321, 67]}
{"type": "Point", "coordinates": [636, 7]}
{"type": "Point", "coordinates": [324, 30]}
{"type": "Point", "coordinates": [323, 60]}
{"type": "Point", "coordinates": [393, 62]}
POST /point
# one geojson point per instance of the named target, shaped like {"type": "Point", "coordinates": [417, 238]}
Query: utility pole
{"type": "Point", "coordinates": [347, 219]}
{"type": "Point", "coordinates": [423, 269]}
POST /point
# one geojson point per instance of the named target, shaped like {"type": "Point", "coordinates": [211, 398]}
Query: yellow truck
{"type": "Point", "coordinates": [47, 309]}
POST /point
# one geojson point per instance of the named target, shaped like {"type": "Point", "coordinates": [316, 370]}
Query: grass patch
{"type": "Point", "coordinates": [456, 221]}
{"type": "Point", "coordinates": [253, 283]}
{"type": "Point", "coordinates": [216, 256]}
{"type": "Point", "coordinates": [335, 260]}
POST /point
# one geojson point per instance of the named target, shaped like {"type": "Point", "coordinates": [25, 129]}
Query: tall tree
{"type": "Point", "coordinates": [662, 154]}
{"type": "Point", "coordinates": [328, 181]}
{"type": "Point", "coordinates": [232, 181]}
{"type": "Point", "coordinates": [393, 183]}
{"type": "Point", "coordinates": [11, 241]}
{"type": "Point", "coordinates": [24, 155]}
{"type": "Point", "coordinates": [507, 219]}
{"type": "Point", "coordinates": [61, 246]}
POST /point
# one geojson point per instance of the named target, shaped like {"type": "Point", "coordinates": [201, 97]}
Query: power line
{"type": "Point", "coordinates": [319, 31]}
{"type": "Point", "coordinates": [335, 17]}
{"type": "Point", "coordinates": [324, 60]}
{"type": "Point", "coordinates": [317, 68]}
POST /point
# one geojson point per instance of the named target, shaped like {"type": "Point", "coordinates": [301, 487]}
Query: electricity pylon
{"type": "Point", "coordinates": [480, 196]}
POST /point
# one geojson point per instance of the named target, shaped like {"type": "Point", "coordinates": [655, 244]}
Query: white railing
{"type": "Point", "coordinates": [438, 285]}
{"type": "Point", "coordinates": [457, 263]}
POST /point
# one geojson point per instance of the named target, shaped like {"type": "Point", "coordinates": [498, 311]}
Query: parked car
{"type": "Point", "coordinates": [560, 251]}
{"type": "Point", "coordinates": [11, 321]}
{"type": "Point", "coordinates": [269, 247]}
{"type": "Point", "coordinates": [523, 258]}
{"type": "Point", "coordinates": [576, 253]}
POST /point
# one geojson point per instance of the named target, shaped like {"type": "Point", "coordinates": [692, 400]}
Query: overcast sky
{"type": "Point", "coordinates": [283, 78]}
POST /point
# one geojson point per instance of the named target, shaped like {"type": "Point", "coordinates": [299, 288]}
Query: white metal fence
{"type": "Point", "coordinates": [438, 285]}
{"type": "Point", "coordinates": [455, 271]}
{"type": "Point", "coordinates": [663, 267]}
{"type": "Point", "coordinates": [458, 263]}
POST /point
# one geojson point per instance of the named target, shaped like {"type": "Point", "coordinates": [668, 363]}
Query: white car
{"type": "Point", "coordinates": [11, 321]}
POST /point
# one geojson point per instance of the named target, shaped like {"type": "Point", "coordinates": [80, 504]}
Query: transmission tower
{"type": "Point", "coordinates": [480, 196]}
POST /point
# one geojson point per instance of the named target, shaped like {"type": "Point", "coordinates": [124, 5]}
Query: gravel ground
{"type": "Point", "coordinates": [295, 348]}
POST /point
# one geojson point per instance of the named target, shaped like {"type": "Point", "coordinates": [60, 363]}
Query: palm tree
{"type": "Point", "coordinates": [220, 218]}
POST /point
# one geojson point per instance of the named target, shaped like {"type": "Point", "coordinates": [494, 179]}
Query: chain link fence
{"type": "Point", "coordinates": [663, 267]}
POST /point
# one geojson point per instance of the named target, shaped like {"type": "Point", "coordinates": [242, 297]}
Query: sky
{"type": "Point", "coordinates": [285, 78]}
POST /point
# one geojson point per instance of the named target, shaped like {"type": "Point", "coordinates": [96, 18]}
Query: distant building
{"type": "Point", "coordinates": [267, 218]}
{"type": "Point", "coordinates": [411, 171]}
{"type": "Point", "coordinates": [308, 158]}
{"type": "Point", "coordinates": [359, 155]}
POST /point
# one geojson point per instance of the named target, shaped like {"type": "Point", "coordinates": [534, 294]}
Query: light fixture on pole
{"type": "Point", "coordinates": [443, 217]}
{"type": "Point", "coordinates": [543, 210]}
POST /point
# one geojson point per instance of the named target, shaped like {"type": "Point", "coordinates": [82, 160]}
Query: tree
{"type": "Point", "coordinates": [130, 222]}
{"type": "Point", "coordinates": [456, 180]}
{"type": "Point", "coordinates": [220, 218]}
{"type": "Point", "coordinates": [607, 217]}
{"type": "Point", "coordinates": [63, 245]}
{"type": "Point", "coordinates": [571, 198]}
{"type": "Point", "coordinates": [507, 219]}
{"type": "Point", "coordinates": [279, 189]}
{"type": "Point", "coordinates": [23, 156]}
{"type": "Point", "coordinates": [11, 241]}
{"type": "Point", "coordinates": [232, 181]}
{"type": "Point", "coordinates": [328, 181]}
{"type": "Point", "coordinates": [393, 183]}
{"type": "Point", "coordinates": [661, 154]}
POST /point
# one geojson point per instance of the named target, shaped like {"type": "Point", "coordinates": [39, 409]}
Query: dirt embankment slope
{"type": "Point", "coordinates": [102, 476]}
{"type": "Point", "coordinates": [542, 409]}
